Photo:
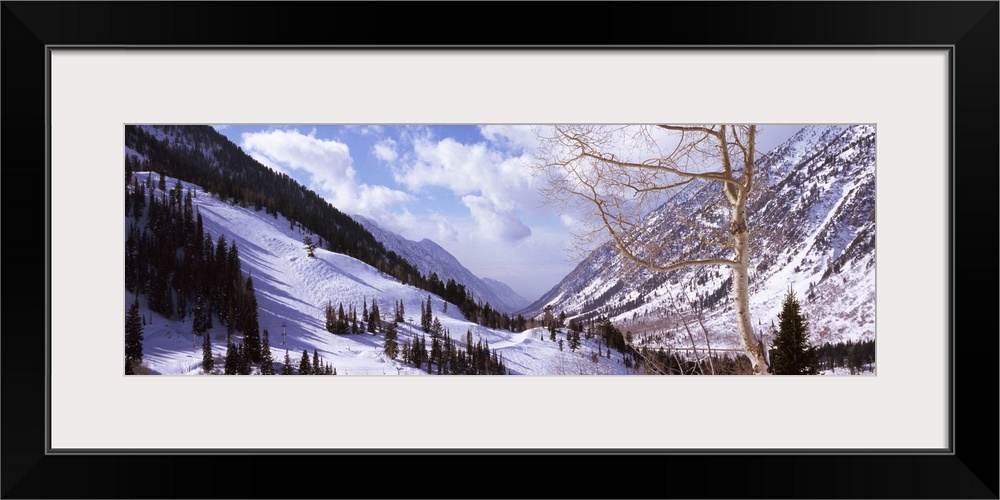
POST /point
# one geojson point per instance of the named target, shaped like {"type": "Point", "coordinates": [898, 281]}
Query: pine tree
{"type": "Point", "coordinates": [373, 318]}
{"type": "Point", "coordinates": [424, 324]}
{"type": "Point", "coordinates": [790, 352]}
{"type": "Point", "coordinates": [245, 367]}
{"type": "Point", "coordinates": [133, 334]}
{"type": "Point", "coordinates": [342, 326]}
{"type": "Point", "coordinates": [331, 318]}
{"type": "Point", "coordinates": [251, 327]}
{"type": "Point", "coordinates": [207, 360]}
{"type": "Point", "coordinates": [309, 246]}
{"type": "Point", "coordinates": [316, 367]}
{"type": "Point", "coordinates": [229, 368]}
{"type": "Point", "coordinates": [266, 362]}
{"type": "Point", "coordinates": [574, 340]}
{"type": "Point", "coordinates": [391, 346]}
{"type": "Point", "coordinates": [287, 369]}
{"type": "Point", "coordinates": [305, 368]}
{"type": "Point", "coordinates": [428, 315]}
{"type": "Point", "coordinates": [202, 316]}
{"type": "Point", "coordinates": [375, 322]}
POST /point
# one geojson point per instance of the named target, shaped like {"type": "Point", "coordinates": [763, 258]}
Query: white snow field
{"type": "Point", "coordinates": [293, 290]}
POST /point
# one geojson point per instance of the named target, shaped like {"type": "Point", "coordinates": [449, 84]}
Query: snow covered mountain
{"type": "Point", "coordinates": [812, 230]}
{"type": "Point", "coordinates": [429, 258]}
{"type": "Point", "coordinates": [292, 291]}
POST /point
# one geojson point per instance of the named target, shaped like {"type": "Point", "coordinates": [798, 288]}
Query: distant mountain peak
{"type": "Point", "coordinates": [430, 257]}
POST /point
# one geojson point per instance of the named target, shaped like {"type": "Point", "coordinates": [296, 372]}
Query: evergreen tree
{"type": "Point", "coordinates": [373, 318]}
{"type": "Point", "coordinates": [342, 325]}
{"type": "Point", "coordinates": [229, 368]}
{"type": "Point", "coordinates": [791, 353]}
{"type": "Point", "coordinates": [245, 367]}
{"type": "Point", "coordinates": [266, 362]}
{"type": "Point", "coordinates": [305, 368]}
{"type": "Point", "coordinates": [424, 323]}
{"type": "Point", "coordinates": [287, 369]}
{"type": "Point", "coordinates": [375, 322]}
{"type": "Point", "coordinates": [251, 327]}
{"type": "Point", "coordinates": [207, 360]}
{"type": "Point", "coordinates": [331, 318]}
{"type": "Point", "coordinates": [428, 316]}
{"type": "Point", "coordinates": [316, 367]}
{"type": "Point", "coordinates": [574, 340]}
{"type": "Point", "coordinates": [391, 346]}
{"type": "Point", "coordinates": [309, 246]}
{"type": "Point", "coordinates": [202, 316]}
{"type": "Point", "coordinates": [133, 334]}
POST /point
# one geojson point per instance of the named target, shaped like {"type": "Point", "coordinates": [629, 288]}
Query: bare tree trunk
{"type": "Point", "coordinates": [694, 348]}
{"type": "Point", "coordinates": [708, 343]}
{"type": "Point", "coordinates": [741, 297]}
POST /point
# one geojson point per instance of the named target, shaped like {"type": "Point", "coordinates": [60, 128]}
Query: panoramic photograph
{"type": "Point", "coordinates": [499, 249]}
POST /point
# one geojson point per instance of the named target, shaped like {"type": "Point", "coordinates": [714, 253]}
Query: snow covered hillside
{"type": "Point", "coordinates": [430, 257]}
{"type": "Point", "coordinates": [812, 229]}
{"type": "Point", "coordinates": [293, 289]}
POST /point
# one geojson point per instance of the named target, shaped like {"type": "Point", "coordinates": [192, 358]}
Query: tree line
{"type": "Point", "coordinates": [855, 356]}
{"type": "Point", "coordinates": [181, 270]}
{"type": "Point", "coordinates": [203, 156]}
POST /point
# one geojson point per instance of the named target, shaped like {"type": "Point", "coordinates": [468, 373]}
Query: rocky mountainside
{"type": "Point", "coordinates": [812, 225]}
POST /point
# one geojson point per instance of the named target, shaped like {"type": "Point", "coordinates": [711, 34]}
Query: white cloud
{"type": "Point", "coordinates": [385, 150]}
{"type": "Point", "coordinates": [568, 220]}
{"type": "Point", "coordinates": [516, 137]}
{"type": "Point", "coordinates": [495, 223]}
{"type": "Point", "coordinates": [372, 199]}
{"type": "Point", "coordinates": [376, 130]}
{"type": "Point", "coordinates": [494, 185]}
{"type": "Point", "coordinates": [445, 231]}
{"type": "Point", "coordinates": [371, 129]}
{"type": "Point", "coordinates": [329, 167]}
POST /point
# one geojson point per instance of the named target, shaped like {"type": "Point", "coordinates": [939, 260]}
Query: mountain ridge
{"type": "Point", "coordinates": [812, 229]}
{"type": "Point", "coordinates": [430, 257]}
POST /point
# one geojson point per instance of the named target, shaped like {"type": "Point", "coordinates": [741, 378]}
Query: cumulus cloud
{"type": "Point", "coordinates": [445, 231]}
{"type": "Point", "coordinates": [495, 223]}
{"type": "Point", "coordinates": [517, 137]}
{"type": "Point", "coordinates": [385, 150]}
{"type": "Point", "coordinates": [493, 184]}
{"type": "Point", "coordinates": [328, 165]}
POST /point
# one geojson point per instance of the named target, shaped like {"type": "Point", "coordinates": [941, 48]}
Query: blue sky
{"type": "Point", "coordinates": [467, 188]}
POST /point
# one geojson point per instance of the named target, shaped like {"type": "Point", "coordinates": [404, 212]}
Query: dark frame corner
{"type": "Point", "coordinates": [969, 470]}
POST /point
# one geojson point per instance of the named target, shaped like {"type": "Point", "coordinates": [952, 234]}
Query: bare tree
{"type": "Point", "coordinates": [619, 174]}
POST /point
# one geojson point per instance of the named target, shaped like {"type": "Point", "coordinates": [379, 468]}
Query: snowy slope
{"type": "Point", "coordinates": [430, 257]}
{"type": "Point", "coordinates": [812, 228]}
{"type": "Point", "coordinates": [293, 289]}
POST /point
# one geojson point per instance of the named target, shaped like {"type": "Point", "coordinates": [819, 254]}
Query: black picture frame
{"type": "Point", "coordinates": [969, 29]}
